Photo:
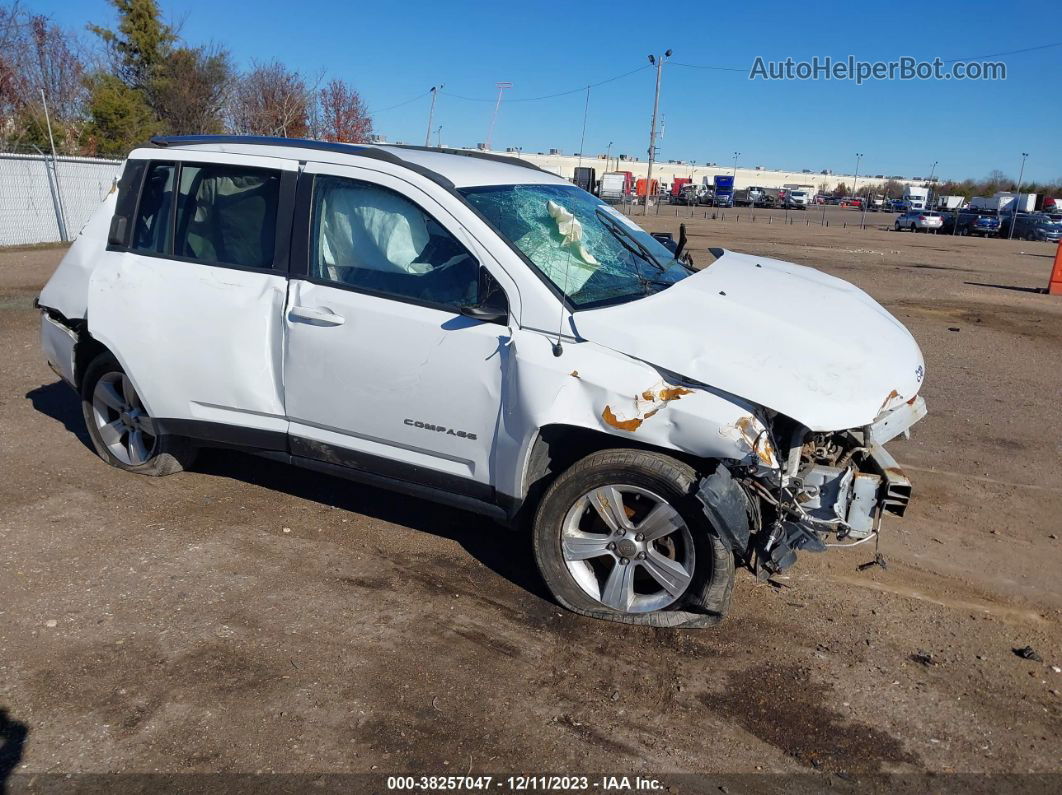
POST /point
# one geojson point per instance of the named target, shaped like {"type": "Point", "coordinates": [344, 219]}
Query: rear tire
{"type": "Point", "coordinates": [119, 425]}
{"type": "Point", "coordinates": [621, 536]}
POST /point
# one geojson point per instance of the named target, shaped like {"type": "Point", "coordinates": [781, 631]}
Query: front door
{"type": "Point", "coordinates": [382, 372]}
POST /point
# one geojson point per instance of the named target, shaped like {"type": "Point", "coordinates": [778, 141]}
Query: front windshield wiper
{"type": "Point", "coordinates": [626, 237]}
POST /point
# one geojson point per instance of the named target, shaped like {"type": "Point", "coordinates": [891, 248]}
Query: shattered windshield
{"type": "Point", "coordinates": [591, 252]}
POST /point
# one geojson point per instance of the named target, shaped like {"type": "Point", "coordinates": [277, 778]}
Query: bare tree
{"type": "Point", "coordinates": [343, 114]}
{"type": "Point", "coordinates": [190, 90]}
{"type": "Point", "coordinates": [271, 100]}
{"type": "Point", "coordinates": [9, 36]}
{"type": "Point", "coordinates": [37, 56]}
{"type": "Point", "coordinates": [995, 181]}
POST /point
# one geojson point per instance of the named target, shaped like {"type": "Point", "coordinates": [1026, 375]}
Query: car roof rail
{"type": "Point", "coordinates": [511, 161]}
{"type": "Point", "coordinates": [360, 150]}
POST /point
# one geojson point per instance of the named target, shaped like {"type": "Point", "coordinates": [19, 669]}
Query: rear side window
{"type": "Point", "coordinates": [227, 215]}
{"type": "Point", "coordinates": [125, 205]}
{"type": "Point", "coordinates": [151, 233]}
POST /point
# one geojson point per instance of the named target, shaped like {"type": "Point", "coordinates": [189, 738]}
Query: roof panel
{"type": "Point", "coordinates": [461, 168]}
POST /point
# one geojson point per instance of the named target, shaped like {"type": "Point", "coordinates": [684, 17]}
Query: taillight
{"type": "Point", "coordinates": [921, 218]}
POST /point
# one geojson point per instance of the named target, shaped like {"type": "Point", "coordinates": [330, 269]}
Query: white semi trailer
{"type": "Point", "coordinates": [949, 202]}
{"type": "Point", "coordinates": [916, 198]}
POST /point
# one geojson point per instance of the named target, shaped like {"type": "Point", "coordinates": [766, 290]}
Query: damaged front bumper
{"type": "Point", "coordinates": [835, 485]}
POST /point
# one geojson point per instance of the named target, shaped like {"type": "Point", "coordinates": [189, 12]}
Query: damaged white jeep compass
{"type": "Point", "coordinates": [469, 328]}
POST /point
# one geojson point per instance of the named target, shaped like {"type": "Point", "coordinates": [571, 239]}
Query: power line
{"type": "Point", "coordinates": [948, 60]}
{"type": "Point", "coordinates": [400, 104]}
{"type": "Point", "coordinates": [1008, 52]}
{"type": "Point", "coordinates": [706, 66]}
{"type": "Point", "coordinates": [578, 90]}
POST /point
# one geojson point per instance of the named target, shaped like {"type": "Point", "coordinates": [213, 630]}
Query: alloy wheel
{"type": "Point", "coordinates": [121, 419]}
{"type": "Point", "coordinates": [628, 548]}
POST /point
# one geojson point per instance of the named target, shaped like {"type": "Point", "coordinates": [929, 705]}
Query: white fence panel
{"type": "Point", "coordinates": [27, 207]}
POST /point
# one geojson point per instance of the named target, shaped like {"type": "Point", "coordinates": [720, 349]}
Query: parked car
{"type": "Point", "coordinates": [686, 196]}
{"type": "Point", "coordinates": [971, 223]}
{"type": "Point", "coordinates": [919, 220]}
{"type": "Point", "coordinates": [469, 328]}
{"type": "Point", "coordinates": [1032, 226]}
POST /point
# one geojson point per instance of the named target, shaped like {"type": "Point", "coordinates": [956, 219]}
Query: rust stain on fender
{"type": "Point", "coordinates": [624, 425]}
{"type": "Point", "coordinates": [646, 405]}
{"type": "Point", "coordinates": [888, 399]}
{"type": "Point", "coordinates": [673, 393]}
{"type": "Point", "coordinates": [746, 426]}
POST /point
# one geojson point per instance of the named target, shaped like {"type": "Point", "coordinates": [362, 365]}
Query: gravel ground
{"type": "Point", "coordinates": [247, 617]}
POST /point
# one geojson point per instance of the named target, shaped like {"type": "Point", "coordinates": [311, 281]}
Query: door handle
{"type": "Point", "coordinates": [318, 316]}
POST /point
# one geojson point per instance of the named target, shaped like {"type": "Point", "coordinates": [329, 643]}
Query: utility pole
{"type": "Point", "coordinates": [855, 179]}
{"type": "Point", "coordinates": [1017, 198]}
{"type": "Point", "coordinates": [659, 63]}
{"type": "Point", "coordinates": [494, 117]}
{"type": "Point", "coordinates": [431, 112]}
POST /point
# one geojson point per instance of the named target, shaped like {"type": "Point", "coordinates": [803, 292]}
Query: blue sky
{"type": "Point", "coordinates": [394, 51]}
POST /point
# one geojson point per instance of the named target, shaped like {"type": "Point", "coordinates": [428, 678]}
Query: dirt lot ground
{"type": "Point", "coordinates": [248, 617]}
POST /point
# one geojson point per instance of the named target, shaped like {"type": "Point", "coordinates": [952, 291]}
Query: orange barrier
{"type": "Point", "coordinates": [1054, 287]}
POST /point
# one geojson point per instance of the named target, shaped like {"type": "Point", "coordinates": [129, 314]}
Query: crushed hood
{"type": "Point", "coordinates": [800, 342]}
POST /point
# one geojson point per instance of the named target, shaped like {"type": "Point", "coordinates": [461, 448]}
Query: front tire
{"type": "Point", "coordinates": [621, 536]}
{"type": "Point", "coordinates": [120, 427]}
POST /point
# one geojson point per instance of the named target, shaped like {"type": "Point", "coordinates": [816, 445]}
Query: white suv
{"type": "Point", "coordinates": [916, 220]}
{"type": "Point", "coordinates": [469, 328]}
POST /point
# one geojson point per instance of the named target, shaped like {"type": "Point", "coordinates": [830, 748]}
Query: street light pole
{"type": "Point", "coordinates": [932, 171]}
{"type": "Point", "coordinates": [733, 172]}
{"type": "Point", "coordinates": [431, 112]}
{"type": "Point", "coordinates": [608, 156]}
{"type": "Point", "coordinates": [1017, 198]}
{"type": "Point", "coordinates": [855, 178]}
{"type": "Point", "coordinates": [438, 137]}
{"type": "Point", "coordinates": [61, 215]}
{"type": "Point", "coordinates": [659, 62]}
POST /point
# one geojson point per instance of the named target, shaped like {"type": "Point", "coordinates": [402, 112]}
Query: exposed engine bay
{"type": "Point", "coordinates": [828, 489]}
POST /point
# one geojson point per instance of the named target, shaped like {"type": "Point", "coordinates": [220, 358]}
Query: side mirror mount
{"type": "Point", "coordinates": [117, 234]}
{"type": "Point", "coordinates": [485, 314]}
{"type": "Point", "coordinates": [493, 305]}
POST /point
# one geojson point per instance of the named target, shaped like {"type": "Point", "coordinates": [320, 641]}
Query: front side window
{"type": "Point", "coordinates": [370, 238]}
{"type": "Point", "coordinates": [590, 252]}
{"type": "Point", "coordinates": [227, 215]}
{"type": "Point", "coordinates": [151, 232]}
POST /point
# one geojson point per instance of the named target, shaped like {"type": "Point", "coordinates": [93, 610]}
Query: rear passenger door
{"type": "Point", "coordinates": [192, 303]}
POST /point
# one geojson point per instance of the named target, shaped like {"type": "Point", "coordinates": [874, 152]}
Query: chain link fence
{"type": "Point", "coordinates": [42, 201]}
